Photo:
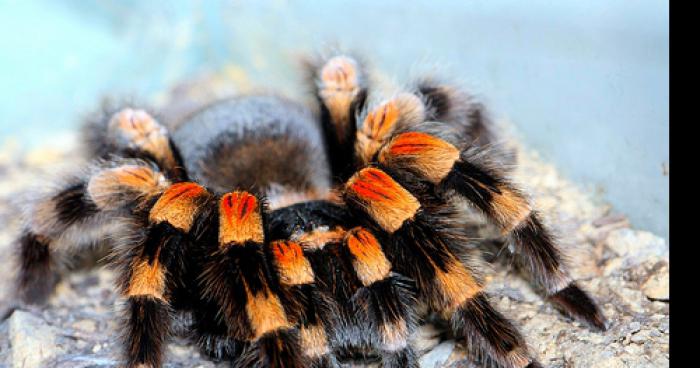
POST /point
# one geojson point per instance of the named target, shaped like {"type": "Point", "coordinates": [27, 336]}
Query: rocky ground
{"type": "Point", "coordinates": [625, 268]}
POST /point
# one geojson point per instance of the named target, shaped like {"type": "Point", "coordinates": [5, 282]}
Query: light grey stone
{"type": "Point", "coordinates": [635, 246]}
{"type": "Point", "coordinates": [657, 286]}
{"type": "Point", "coordinates": [32, 340]}
{"type": "Point", "coordinates": [438, 356]}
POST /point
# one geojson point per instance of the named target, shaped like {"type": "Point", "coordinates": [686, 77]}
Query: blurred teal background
{"type": "Point", "coordinates": [584, 82]}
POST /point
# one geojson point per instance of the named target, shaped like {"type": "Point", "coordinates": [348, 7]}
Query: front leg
{"type": "Point", "coordinates": [238, 280]}
{"type": "Point", "coordinates": [312, 309]}
{"type": "Point", "coordinates": [147, 314]}
{"type": "Point", "coordinates": [149, 266]}
{"type": "Point", "coordinates": [387, 299]}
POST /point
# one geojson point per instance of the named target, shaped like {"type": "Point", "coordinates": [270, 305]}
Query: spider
{"type": "Point", "coordinates": [290, 237]}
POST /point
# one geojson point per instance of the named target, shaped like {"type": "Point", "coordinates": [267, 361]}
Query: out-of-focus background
{"type": "Point", "coordinates": [585, 83]}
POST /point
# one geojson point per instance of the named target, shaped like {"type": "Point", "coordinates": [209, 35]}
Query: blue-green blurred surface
{"type": "Point", "coordinates": [585, 82]}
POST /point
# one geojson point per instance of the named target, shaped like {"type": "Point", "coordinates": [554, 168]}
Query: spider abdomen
{"type": "Point", "coordinates": [256, 143]}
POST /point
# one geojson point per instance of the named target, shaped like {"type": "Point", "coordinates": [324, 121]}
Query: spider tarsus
{"type": "Point", "coordinates": [37, 277]}
{"type": "Point", "coordinates": [325, 361]}
{"type": "Point", "coordinates": [279, 349]}
{"type": "Point", "coordinates": [405, 358]}
{"type": "Point", "coordinates": [489, 334]}
{"type": "Point", "coordinates": [579, 305]}
{"type": "Point", "coordinates": [147, 329]}
{"type": "Point", "coordinates": [488, 190]}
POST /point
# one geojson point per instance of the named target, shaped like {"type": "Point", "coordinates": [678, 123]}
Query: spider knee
{"type": "Point", "coordinates": [457, 284]}
{"type": "Point", "coordinates": [138, 131]}
{"type": "Point", "coordinates": [368, 259]}
{"type": "Point", "coordinates": [388, 203]}
{"type": "Point", "coordinates": [179, 205]}
{"type": "Point", "coordinates": [240, 219]}
{"type": "Point", "coordinates": [402, 111]}
{"type": "Point", "coordinates": [116, 187]}
{"type": "Point", "coordinates": [291, 264]}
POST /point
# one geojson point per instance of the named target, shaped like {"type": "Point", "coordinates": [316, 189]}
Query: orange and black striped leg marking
{"type": "Point", "coordinates": [388, 299]}
{"type": "Point", "coordinates": [425, 246]}
{"type": "Point", "coordinates": [341, 90]}
{"type": "Point", "coordinates": [148, 324]}
{"type": "Point", "coordinates": [148, 269]}
{"type": "Point", "coordinates": [489, 335]}
{"type": "Point", "coordinates": [466, 174]}
{"type": "Point", "coordinates": [74, 217]}
{"type": "Point", "coordinates": [335, 278]}
{"type": "Point", "coordinates": [538, 251]}
{"type": "Point", "coordinates": [312, 309]}
{"type": "Point", "coordinates": [147, 310]}
{"type": "Point", "coordinates": [237, 278]}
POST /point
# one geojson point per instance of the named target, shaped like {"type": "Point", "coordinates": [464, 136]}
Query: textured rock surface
{"type": "Point", "coordinates": [626, 270]}
{"type": "Point", "coordinates": [34, 342]}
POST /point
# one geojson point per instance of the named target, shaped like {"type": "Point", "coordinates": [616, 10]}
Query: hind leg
{"type": "Point", "coordinates": [470, 175]}
{"type": "Point", "coordinates": [134, 133]}
{"type": "Point", "coordinates": [82, 212]}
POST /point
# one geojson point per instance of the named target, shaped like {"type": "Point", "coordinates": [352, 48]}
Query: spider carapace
{"type": "Point", "coordinates": [289, 234]}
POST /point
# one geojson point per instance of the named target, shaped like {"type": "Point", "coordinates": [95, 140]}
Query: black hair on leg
{"type": "Point", "coordinates": [147, 328]}
{"type": "Point", "coordinates": [469, 175]}
{"type": "Point", "coordinates": [37, 274]}
{"type": "Point", "coordinates": [340, 84]}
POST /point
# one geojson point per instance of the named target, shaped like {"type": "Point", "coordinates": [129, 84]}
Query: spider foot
{"type": "Point", "coordinates": [579, 305]}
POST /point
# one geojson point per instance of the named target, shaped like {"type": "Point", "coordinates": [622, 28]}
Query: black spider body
{"type": "Point", "coordinates": [292, 238]}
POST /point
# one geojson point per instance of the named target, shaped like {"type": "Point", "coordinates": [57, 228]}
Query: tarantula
{"type": "Point", "coordinates": [288, 237]}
